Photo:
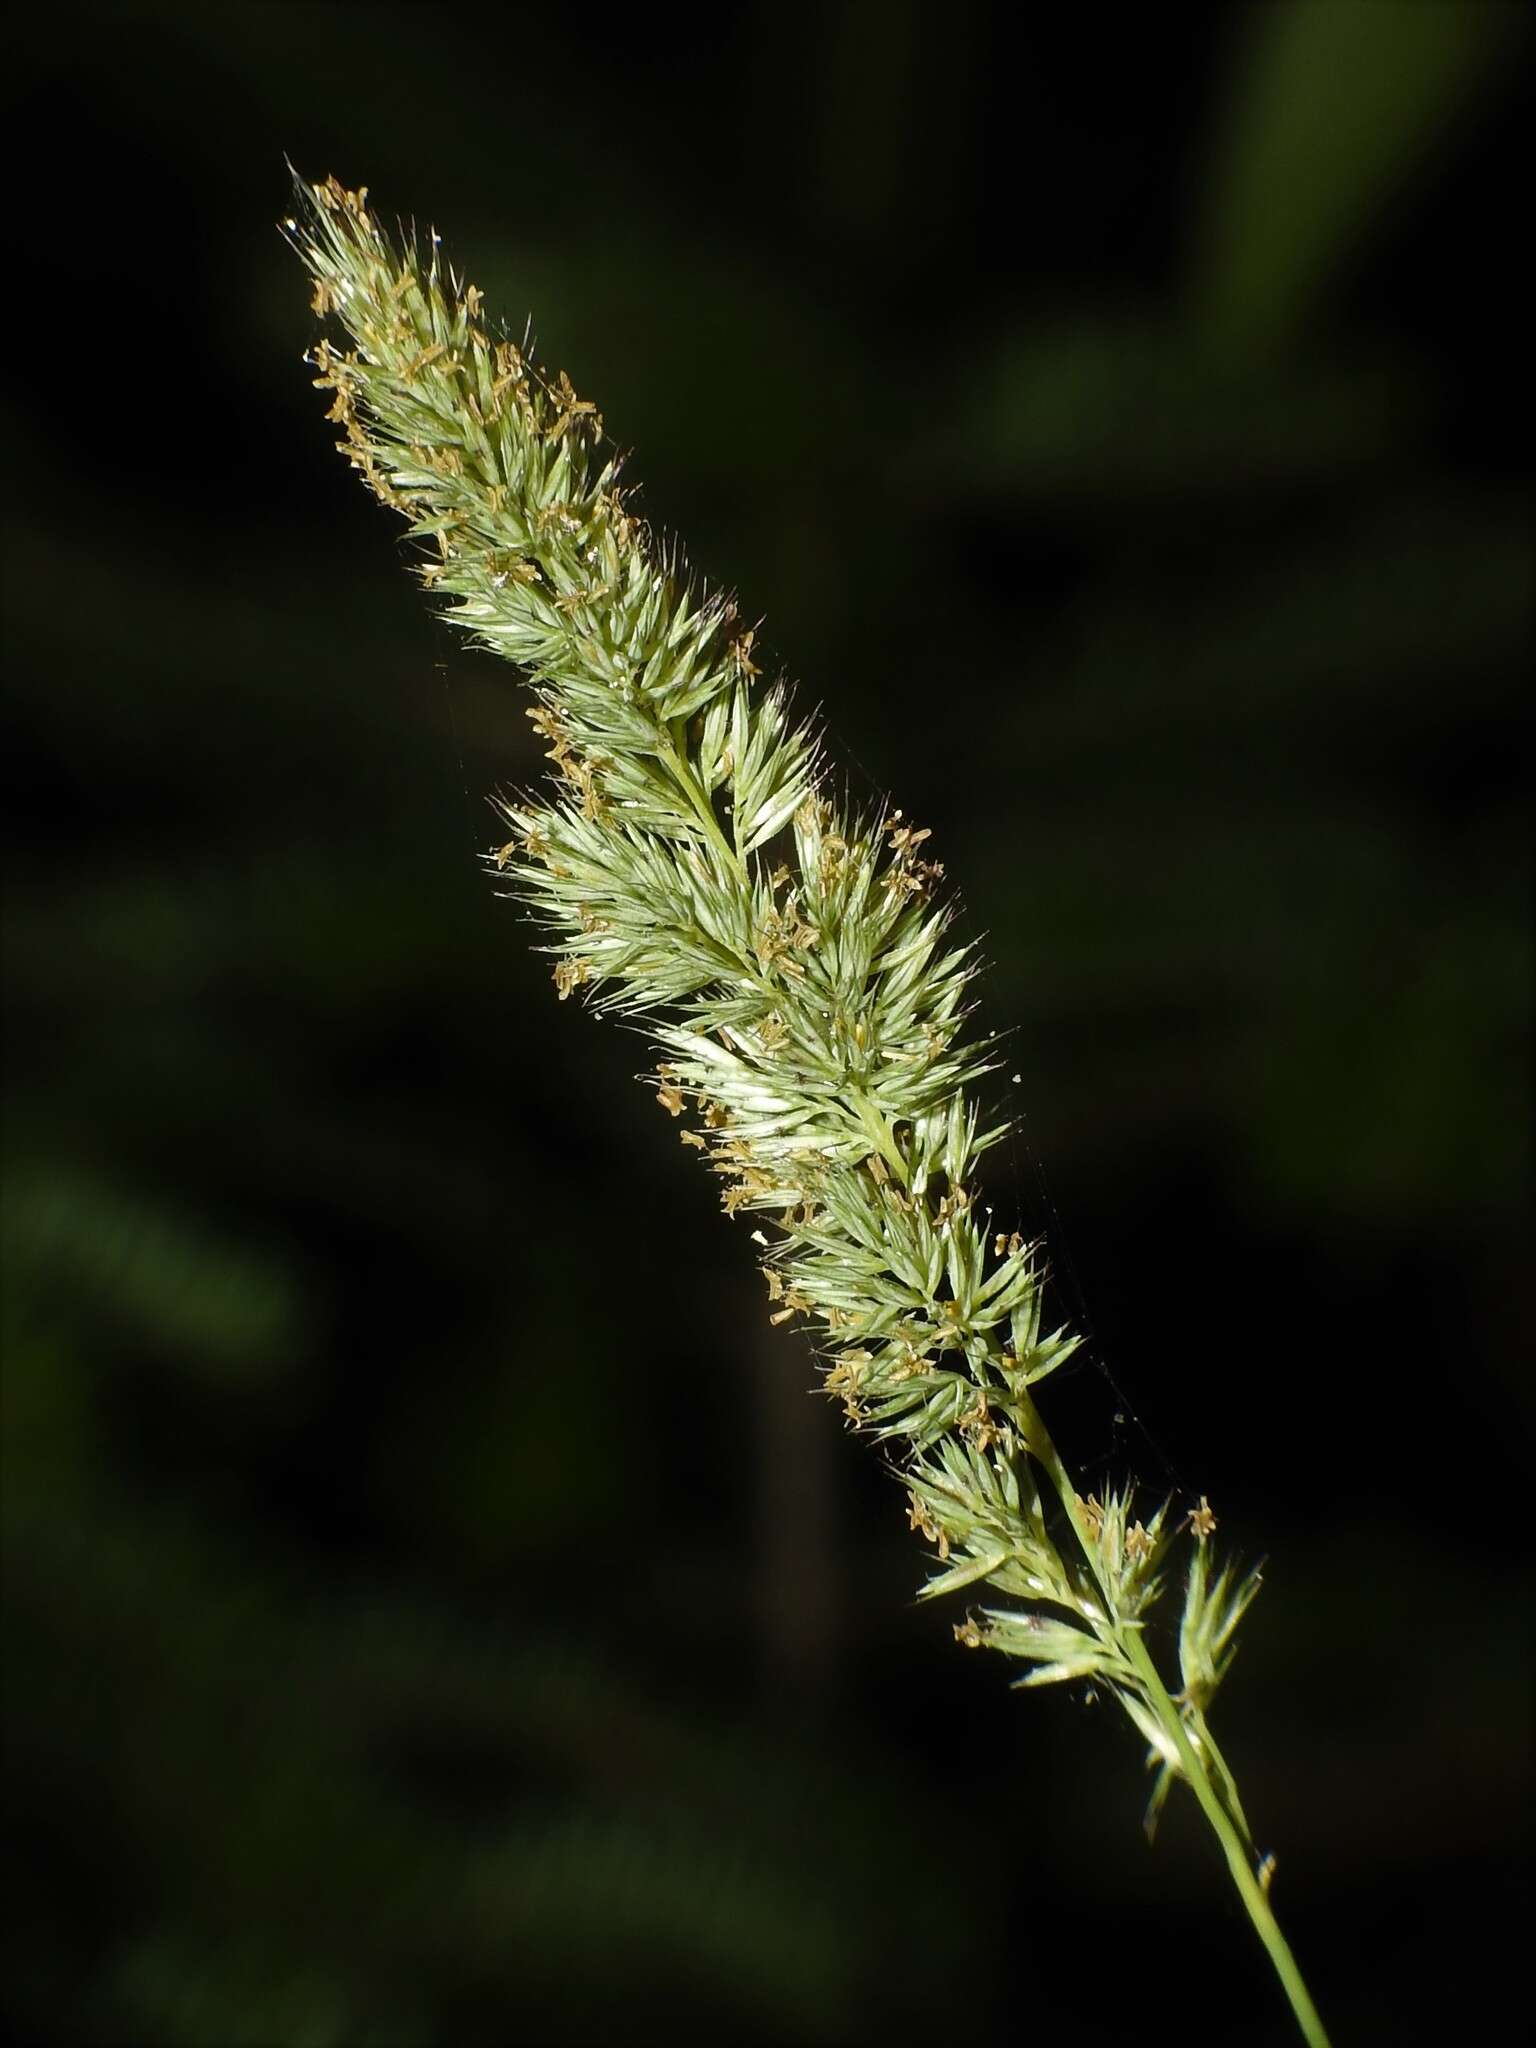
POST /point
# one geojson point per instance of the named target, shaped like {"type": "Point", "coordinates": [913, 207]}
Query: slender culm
{"type": "Point", "coordinates": [795, 966]}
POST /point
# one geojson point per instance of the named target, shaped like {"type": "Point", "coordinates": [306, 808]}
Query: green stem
{"type": "Point", "coordinates": [1250, 1890]}
{"type": "Point", "coordinates": [1205, 1742]}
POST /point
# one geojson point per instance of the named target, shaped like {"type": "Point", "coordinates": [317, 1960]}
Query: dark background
{"type": "Point", "coordinates": [436, 1612]}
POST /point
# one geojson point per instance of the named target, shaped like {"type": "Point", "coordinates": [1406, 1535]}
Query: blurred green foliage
{"type": "Point", "coordinates": [1122, 442]}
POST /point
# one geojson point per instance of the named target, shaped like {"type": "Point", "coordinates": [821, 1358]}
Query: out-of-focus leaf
{"type": "Point", "coordinates": [1336, 106]}
{"type": "Point", "coordinates": [1095, 410]}
{"type": "Point", "coordinates": [217, 1305]}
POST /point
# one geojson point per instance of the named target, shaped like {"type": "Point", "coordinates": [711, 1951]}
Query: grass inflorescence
{"type": "Point", "coordinates": [795, 964]}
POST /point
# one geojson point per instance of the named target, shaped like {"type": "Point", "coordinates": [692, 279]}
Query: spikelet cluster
{"type": "Point", "coordinates": [794, 961]}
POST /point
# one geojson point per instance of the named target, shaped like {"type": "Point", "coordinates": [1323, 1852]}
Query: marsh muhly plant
{"type": "Point", "coordinates": [794, 965]}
